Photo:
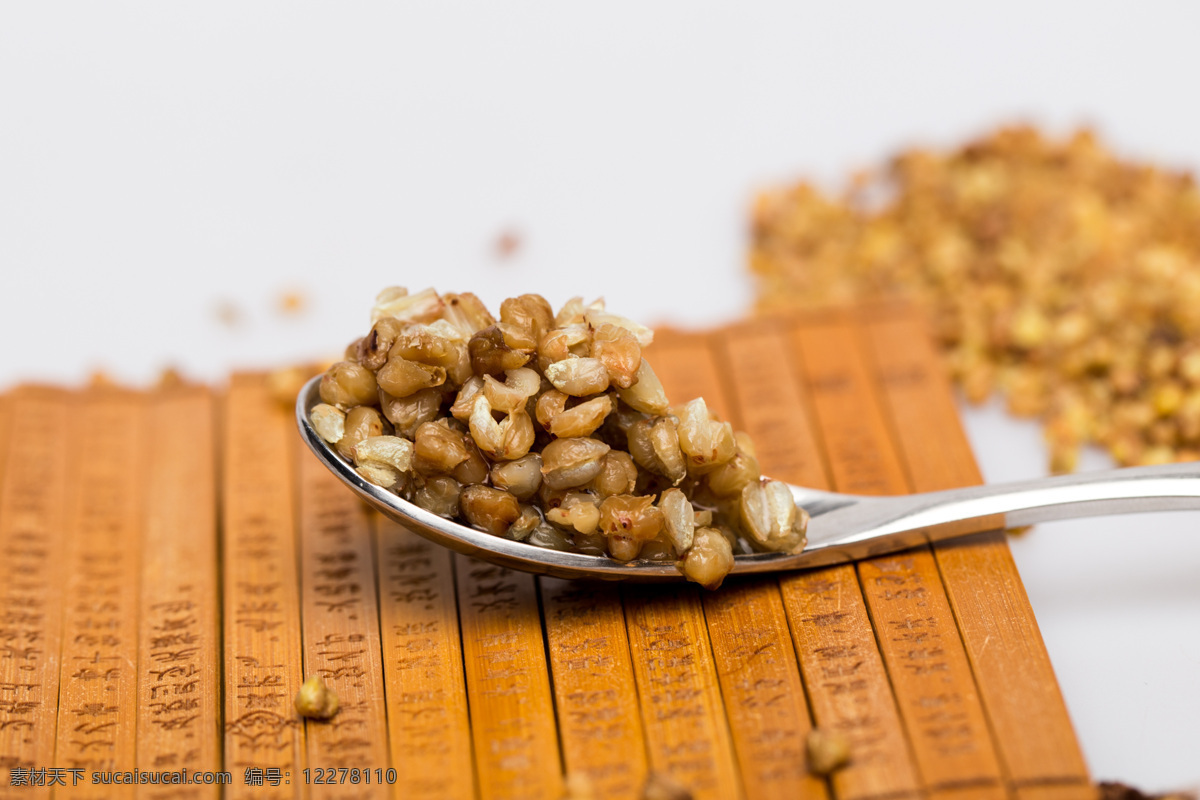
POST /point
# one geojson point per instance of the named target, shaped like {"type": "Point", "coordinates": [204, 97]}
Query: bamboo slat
{"type": "Point", "coordinates": [428, 726]}
{"type": "Point", "coordinates": [98, 680]}
{"type": "Point", "coordinates": [753, 673]}
{"type": "Point", "coordinates": [40, 465]}
{"type": "Point", "coordinates": [930, 675]}
{"type": "Point", "coordinates": [843, 671]}
{"type": "Point", "coordinates": [261, 595]}
{"type": "Point", "coordinates": [341, 633]}
{"type": "Point", "coordinates": [179, 708]}
{"type": "Point", "coordinates": [1037, 743]}
{"type": "Point", "coordinates": [508, 684]}
{"type": "Point", "coordinates": [594, 690]}
{"type": "Point", "coordinates": [760, 679]}
{"type": "Point", "coordinates": [681, 702]}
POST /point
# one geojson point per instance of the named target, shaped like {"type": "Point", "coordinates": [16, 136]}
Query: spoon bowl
{"type": "Point", "coordinates": [842, 527]}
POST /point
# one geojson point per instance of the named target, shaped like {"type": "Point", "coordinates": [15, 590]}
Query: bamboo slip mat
{"type": "Point", "coordinates": [172, 563]}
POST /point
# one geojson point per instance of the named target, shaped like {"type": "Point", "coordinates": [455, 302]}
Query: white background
{"type": "Point", "coordinates": [166, 165]}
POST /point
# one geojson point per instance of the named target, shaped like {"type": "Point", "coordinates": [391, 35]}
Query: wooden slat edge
{"type": "Point", "coordinates": [508, 683]}
{"type": "Point", "coordinates": [682, 711]}
{"type": "Point", "coordinates": [179, 694]}
{"type": "Point", "coordinates": [40, 462]}
{"type": "Point", "coordinates": [1013, 671]}
{"type": "Point", "coordinates": [595, 693]}
{"type": "Point", "coordinates": [97, 701]}
{"type": "Point", "coordinates": [261, 593]}
{"type": "Point", "coordinates": [765, 702]}
{"type": "Point", "coordinates": [428, 724]}
{"type": "Point", "coordinates": [839, 659]}
{"type": "Point", "coordinates": [341, 632]}
{"type": "Point", "coordinates": [927, 664]}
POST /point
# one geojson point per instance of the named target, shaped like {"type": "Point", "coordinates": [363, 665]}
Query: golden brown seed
{"type": "Point", "coordinates": [526, 524]}
{"type": "Point", "coordinates": [623, 548]}
{"type": "Point", "coordinates": [439, 495]}
{"type": "Point", "coordinates": [518, 338]}
{"type": "Point", "coordinates": [521, 477]}
{"type": "Point", "coordinates": [438, 344]}
{"type": "Point", "coordinates": [631, 517]}
{"type": "Point", "coordinates": [361, 423]}
{"type": "Point", "coordinates": [828, 751]}
{"type": "Point", "coordinates": [438, 448]}
{"type": "Point", "coordinates": [770, 517]}
{"type": "Point", "coordinates": [510, 394]}
{"type": "Point", "coordinates": [576, 510]}
{"type": "Point", "coordinates": [464, 401]}
{"type": "Point", "coordinates": [659, 549]}
{"type": "Point", "coordinates": [646, 394]}
{"type": "Point", "coordinates": [618, 475]}
{"type": "Point", "coordinates": [572, 341]}
{"type": "Point", "coordinates": [591, 544]}
{"type": "Point", "coordinates": [315, 700]}
{"type": "Point", "coordinates": [679, 519]}
{"type": "Point", "coordinates": [379, 474]}
{"type": "Point", "coordinates": [489, 509]}
{"type": "Point", "coordinates": [706, 443]}
{"type": "Point", "coordinates": [578, 377]}
{"type": "Point", "coordinates": [654, 444]}
{"type": "Point", "coordinates": [625, 417]}
{"type": "Point", "coordinates": [549, 405]}
{"type": "Point", "coordinates": [475, 468]}
{"type": "Point", "coordinates": [1167, 397]}
{"type": "Point", "coordinates": [567, 463]}
{"type": "Point", "coordinates": [730, 478]}
{"type": "Point", "coordinates": [347, 384]}
{"type": "Point", "coordinates": [620, 352]}
{"type": "Point", "coordinates": [581, 420]}
{"type": "Point", "coordinates": [400, 377]}
{"type": "Point", "coordinates": [373, 349]}
{"type": "Point", "coordinates": [550, 537]}
{"type": "Point", "coordinates": [506, 440]}
{"type": "Point", "coordinates": [597, 318]}
{"type": "Point", "coordinates": [425, 344]}
{"type": "Point", "coordinates": [329, 422]}
{"type": "Point", "coordinates": [708, 560]}
{"type": "Point", "coordinates": [392, 451]}
{"type": "Point", "coordinates": [467, 313]}
{"type": "Point", "coordinates": [408, 413]}
{"type": "Point", "coordinates": [395, 301]}
{"type": "Point", "coordinates": [492, 355]}
{"type": "Point", "coordinates": [530, 312]}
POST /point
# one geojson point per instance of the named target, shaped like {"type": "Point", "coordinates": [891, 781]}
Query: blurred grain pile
{"type": "Point", "coordinates": [1058, 275]}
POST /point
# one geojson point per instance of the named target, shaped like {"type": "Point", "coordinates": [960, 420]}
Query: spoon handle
{"type": "Point", "coordinates": [881, 524]}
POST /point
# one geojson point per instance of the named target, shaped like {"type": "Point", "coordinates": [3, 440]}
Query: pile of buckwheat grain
{"type": "Point", "coordinates": [1057, 274]}
{"type": "Point", "coordinates": [549, 429]}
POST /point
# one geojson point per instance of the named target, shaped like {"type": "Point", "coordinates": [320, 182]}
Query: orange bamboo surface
{"type": "Point", "coordinates": [174, 564]}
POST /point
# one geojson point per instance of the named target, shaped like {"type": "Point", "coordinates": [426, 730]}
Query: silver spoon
{"type": "Point", "coordinates": [842, 528]}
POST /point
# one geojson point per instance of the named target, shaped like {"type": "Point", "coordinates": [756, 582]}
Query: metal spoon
{"type": "Point", "coordinates": [843, 527]}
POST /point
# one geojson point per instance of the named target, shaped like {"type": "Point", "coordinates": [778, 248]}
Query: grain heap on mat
{"type": "Point", "coordinates": [1059, 275]}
